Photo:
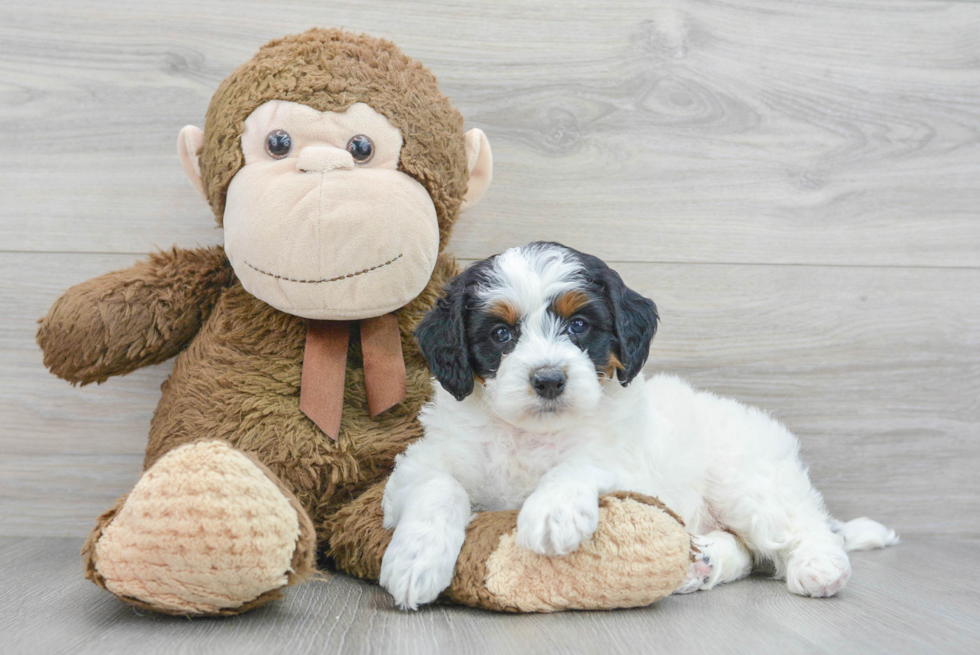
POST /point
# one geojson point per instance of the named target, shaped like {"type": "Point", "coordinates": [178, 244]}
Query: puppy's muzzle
{"type": "Point", "coordinates": [548, 382]}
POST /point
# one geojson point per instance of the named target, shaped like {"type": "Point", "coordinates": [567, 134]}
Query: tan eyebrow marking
{"type": "Point", "coordinates": [505, 311]}
{"type": "Point", "coordinates": [570, 302]}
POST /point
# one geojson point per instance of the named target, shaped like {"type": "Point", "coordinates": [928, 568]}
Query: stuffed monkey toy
{"type": "Point", "coordinates": [336, 169]}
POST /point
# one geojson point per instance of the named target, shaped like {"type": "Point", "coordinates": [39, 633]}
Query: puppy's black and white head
{"type": "Point", "coordinates": [542, 328]}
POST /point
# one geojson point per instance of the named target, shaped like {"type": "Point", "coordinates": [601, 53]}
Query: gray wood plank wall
{"type": "Point", "coordinates": [797, 184]}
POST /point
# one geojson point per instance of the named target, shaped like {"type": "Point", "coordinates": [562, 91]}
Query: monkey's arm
{"type": "Point", "coordinates": [639, 554]}
{"type": "Point", "coordinates": [142, 315]}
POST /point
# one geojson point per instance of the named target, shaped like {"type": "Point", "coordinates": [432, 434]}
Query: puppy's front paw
{"type": "Point", "coordinates": [557, 520]}
{"type": "Point", "coordinates": [419, 563]}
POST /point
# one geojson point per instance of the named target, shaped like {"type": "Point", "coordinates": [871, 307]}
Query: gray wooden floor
{"type": "Point", "coordinates": [919, 597]}
{"type": "Point", "coordinates": [796, 183]}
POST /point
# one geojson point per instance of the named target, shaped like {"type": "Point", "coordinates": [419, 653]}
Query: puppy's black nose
{"type": "Point", "coordinates": [548, 382]}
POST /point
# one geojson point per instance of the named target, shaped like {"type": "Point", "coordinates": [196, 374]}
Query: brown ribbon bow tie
{"type": "Point", "coordinates": [321, 395]}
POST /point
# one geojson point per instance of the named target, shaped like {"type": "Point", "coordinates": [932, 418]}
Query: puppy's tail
{"type": "Point", "coordinates": [864, 534]}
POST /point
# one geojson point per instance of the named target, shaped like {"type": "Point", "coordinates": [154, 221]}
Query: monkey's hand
{"type": "Point", "coordinates": [142, 315]}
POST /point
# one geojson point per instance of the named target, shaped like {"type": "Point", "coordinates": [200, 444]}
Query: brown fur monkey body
{"type": "Point", "coordinates": [240, 488]}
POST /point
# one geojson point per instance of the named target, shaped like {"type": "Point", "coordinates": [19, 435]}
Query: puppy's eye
{"type": "Point", "coordinates": [278, 144]}
{"type": "Point", "coordinates": [361, 148]}
{"type": "Point", "coordinates": [578, 326]}
{"type": "Point", "coordinates": [501, 334]}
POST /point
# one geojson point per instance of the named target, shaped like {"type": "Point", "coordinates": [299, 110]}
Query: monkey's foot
{"type": "Point", "coordinates": [206, 530]}
{"type": "Point", "coordinates": [639, 554]}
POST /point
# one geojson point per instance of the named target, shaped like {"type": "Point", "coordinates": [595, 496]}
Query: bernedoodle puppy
{"type": "Point", "coordinates": [543, 407]}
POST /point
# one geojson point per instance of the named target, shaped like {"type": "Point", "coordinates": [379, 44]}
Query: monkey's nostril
{"type": "Point", "coordinates": [548, 382]}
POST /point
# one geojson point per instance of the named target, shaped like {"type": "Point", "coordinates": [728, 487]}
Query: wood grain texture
{"type": "Point", "coordinates": [901, 600]}
{"type": "Point", "coordinates": [758, 131]}
{"type": "Point", "coordinates": [877, 370]}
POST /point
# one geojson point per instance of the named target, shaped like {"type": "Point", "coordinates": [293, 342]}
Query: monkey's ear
{"type": "Point", "coordinates": [189, 143]}
{"type": "Point", "coordinates": [479, 160]}
{"type": "Point", "coordinates": [441, 335]}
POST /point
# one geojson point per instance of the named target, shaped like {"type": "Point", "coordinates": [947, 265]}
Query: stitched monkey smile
{"type": "Point", "coordinates": [332, 279]}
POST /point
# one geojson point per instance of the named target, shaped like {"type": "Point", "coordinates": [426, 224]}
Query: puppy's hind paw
{"type": "Point", "coordinates": [818, 572]}
{"type": "Point", "coordinates": [698, 575]}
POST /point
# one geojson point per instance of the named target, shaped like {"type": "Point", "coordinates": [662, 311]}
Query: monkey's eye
{"type": "Point", "coordinates": [501, 334]}
{"type": "Point", "coordinates": [578, 326]}
{"type": "Point", "coordinates": [278, 144]}
{"type": "Point", "coordinates": [361, 148]}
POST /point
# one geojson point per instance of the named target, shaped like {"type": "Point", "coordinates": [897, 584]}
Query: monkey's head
{"type": "Point", "coordinates": [337, 170]}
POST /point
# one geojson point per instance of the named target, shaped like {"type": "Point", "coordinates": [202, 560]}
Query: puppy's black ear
{"type": "Point", "coordinates": [635, 320]}
{"type": "Point", "coordinates": [441, 335]}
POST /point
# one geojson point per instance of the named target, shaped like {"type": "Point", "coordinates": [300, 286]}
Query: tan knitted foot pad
{"type": "Point", "coordinates": [205, 531]}
{"type": "Point", "coordinates": [639, 554]}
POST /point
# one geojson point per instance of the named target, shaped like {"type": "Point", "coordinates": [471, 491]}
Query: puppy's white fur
{"type": "Point", "coordinates": [730, 471]}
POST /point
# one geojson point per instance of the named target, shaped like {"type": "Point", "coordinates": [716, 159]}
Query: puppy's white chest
{"type": "Point", "coordinates": [512, 468]}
